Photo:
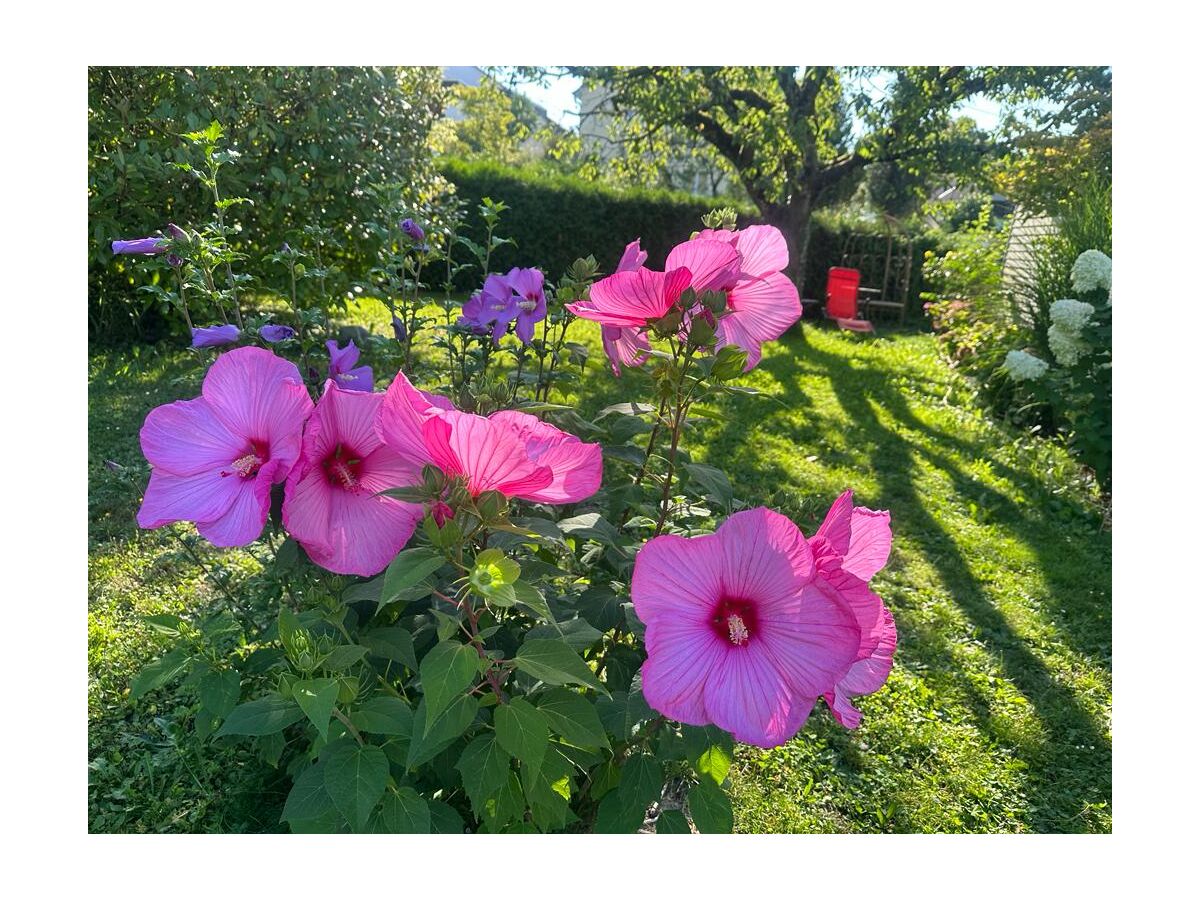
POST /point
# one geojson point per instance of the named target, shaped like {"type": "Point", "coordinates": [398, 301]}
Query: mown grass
{"type": "Point", "coordinates": [996, 717]}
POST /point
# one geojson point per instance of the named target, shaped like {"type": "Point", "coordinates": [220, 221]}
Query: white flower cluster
{"type": "Point", "coordinates": [1071, 315]}
{"type": "Point", "coordinates": [1022, 366]}
{"type": "Point", "coordinates": [1092, 272]}
{"type": "Point", "coordinates": [1066, 345]}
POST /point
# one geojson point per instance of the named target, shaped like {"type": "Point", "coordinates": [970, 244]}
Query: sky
{"type": "Point", "coordinates": [557, 98]}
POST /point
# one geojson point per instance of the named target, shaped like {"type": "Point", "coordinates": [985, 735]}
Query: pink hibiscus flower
{"type": "Point", "coordinates": [331, 505]}
{"type": "Point", "coordinates": [763, 303]}
{"type": "Point", "coordinates": [626, 346]}
{"type": "Point", "coordinates": [215, 457]}
{"type": "Point", "coordinates": [851, 545]}
{"type": "Point", "coordinates": [510, 452]}
{"type": "Point", "coordinates": [740, 630]}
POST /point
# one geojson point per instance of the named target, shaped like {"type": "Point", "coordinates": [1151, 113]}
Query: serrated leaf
{"type": "Point", "coordinates": [219, 691]}
{"type": "Point", "coordinates": [408, 569]}
{"type": "Point", "coordinates": [616, 817]}
{"type": "Point", "coordinates": [342, 657]}
{"type": "Point", "coordinates": [446, 728]}
{"type": "Point", "coordinates": [671, 821]}
{"type": "Point", "coordinates": [384, 715]}
{"type": "Point", "coordinates": [571, 716]}
{"type": "Point", "coordinates": [395, 644]}
{"type": "Point", "coordinates": [710, 807]}
{"type": "Point", "coordinates": [308, 798]}
{"type": "Point", "coordinates": [355, 778]}
{"type": "Point", "coordinates": [484, 766]}
{"type": "Point", "coordinates": [532, 599]}
{"type": "Point", "coordinates": [164, 623]}
{"type": "Point", "coordinates": [405, 812]}
{"type": "Point", "coordinates": [523, 731]}
{"type": "Point", "coordinates": [266, 715]}
{"type": "Point", "coordinates": [641, 781]}
{"type": "Point", "coordinates": [578, 633]}
{"type": "Point", "coordinates": [159, 672]}
{"type": "Point", "coordinates": [553, 662]}
{"type": "Point", "coordinates": [316, 696]}
{"type": "Point", "coordinates": [446, 671]}
{"type": "Point", "coordinates": [444, 818]}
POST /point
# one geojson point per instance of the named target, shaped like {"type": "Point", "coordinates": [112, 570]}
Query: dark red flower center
{"type": "Point", "coordinates": [248, 464]}
{"type": "Point", "coordinates": [343, 467]}
{"type": "Point", "coordinates": [735, 621]}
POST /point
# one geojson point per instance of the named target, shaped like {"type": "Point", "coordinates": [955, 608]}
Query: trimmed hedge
{"type": "Point", "coordinates": [555, 219]}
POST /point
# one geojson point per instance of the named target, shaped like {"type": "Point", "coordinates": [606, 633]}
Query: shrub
{"type": "Point", "coordinates": [311, 141]}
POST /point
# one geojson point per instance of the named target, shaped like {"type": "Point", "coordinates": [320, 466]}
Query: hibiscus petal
{"type": "Point", "coordinates": [760, 309]}
{"type": "Point", "coordinates": [346, 417]}
{"type": "Point", "coordinates": [835, 530]}
{"type": "Point", "coordinates": [364, 532]}
{"type": "Point", "coordinates": [677, 578]}
{"type": "Point", "coordinates": [186, 498]}
{"type": "Point", "coordinates": [763, 250]}
{"type": "Point", "coordinates": [491, 456]}
{"type": "Point", "coordinates": [401, 417]}
{"type": "Point", "coordinates": [713, 264]}
{"type": "Point", "coordinates": [814, 643]}
{"type": "Point", "coordinates": [624, 346]}
{"type": "Point", "coordinates": [870, 542]}
{"type": "Point", "coordinates": [576, 467]}
{"type": "Point", "coordinates": [681, 657]}
{"type": "Point", "coordinates": [747, 696]}
{"type": "Point", "coordinates": [765, 558]}
{"type": "Point", "coordinates": [631, 299]}
{"type": "Point", "coordinates": [865, 677]}
{"type": "Point", "coordinates": [243, 522]}
{"type": "Point", "coordinates": [634, 257]}
{"type": "Point", "coordinates": [259, 396]}
{"type": "Point", "coordinates": [185, 438]}
{"type": "Point", "coordinates": [306, 507]}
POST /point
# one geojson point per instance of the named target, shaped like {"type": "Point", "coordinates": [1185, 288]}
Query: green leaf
{"type": "Point", "coordinates": [623, 713]}
{"type": "Point", "coordinates": [710, 808]}
{"type": "Point", "coordinates": [641, 781]}
{"type": "Point", "coordinates": [266, 715]}
{"type": "Point", "coordinates": [507, 805]}
{"type": "Point", "coordinates": [728, 363]}
{"type": "Point", "coordinates": [355, 777]}
{"type": "Point", "coordinates": [578, 633]}
{"type": "Point", "coordinates": [159, 672]}
{"type": "Point", "coordinates": [615, 817]}
{"type": "Point", "coordinates": [532, 599]}
{"type": "Point", "coordinates": [395, 644]}
{"type": "Point", "coordinates": [554, 662]}
{"type": "Point", "coordinates": [308, 798]}
{"type": "Point", "coordinates": [384, 715]}
{"type": "Point", "coordinates": [342, 657]}
{"type": "Point", "coordinates": [444, 818]}
{"type": "Point", "coordinates": [428, 743]}
{"type": "Point", "coordinates": [573, 717]}
{"type": "Point", "coordinates": [446, 671]}
{"type": "Point", "coordinates": [709, 750]}
{"type": "Point", "coordinates": [316, 697]}
{"type": "Point", "coordinates": [714, 483]}
{"type": "Point", "coordinates": [220, 690]}
{"type": "Point", "coordinates": [591, 525]}
{"type": "Point", "coordinates": [523, 731]}
{"type": "Point", "coordinates": [627, 409]}
{"type": "Point", "coordinates": [164, 623]}
{"type": "Point", "coordinates": [671, 821]}
{"type": "Point", "coordinates": [484, 766]}
{"type": "Point", "coordinates": [405, 812]}
{"type": "Point", "coordinates": [407, 570]}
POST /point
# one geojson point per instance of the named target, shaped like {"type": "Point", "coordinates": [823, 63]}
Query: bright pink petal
{"type": "Point", "coordinates": [676, 578]}
{"type": "Point", "coordinates": [345, 417]}
{"type": "Point", "coordinates": [306, 507]}
{"type": "Point", "coordinates": [259, 396]}
{"type": "Point", "coordinates": [765, 558]}
{"type": "Point", "coordinates": [760, 309]}
{"type": "Point", "coordinates": [870, 542]}
{"type": "Point", "coordinates": [401, 419]}
{"type": "Point", "coordinates": [747, 696]}
{"type": "Point", "coordinates": [186, 498]}
{"type": "Point", "coordinates": [489, 454]}
{"type": "Point", "coordinates": [243, 522]}
{"type": "Point", "coordinates": [624, 346]}
{"type": "Point", "coordinates": [576, 467]}
{"type": "Point", "coordinates": [185, 438]}
{"type": "Point", "coordinates": [865, 677]}
{"type": "Point", "coordinates": [713, 264]}
{"type": "Point", "coordinates": [832, 539]}
{"type": "Point", "coordinates": [631, 299]}
{"type": "Point", "coordinates": [634, 257]}
{"type": "Point", "coordinates": [762, 249]}
{"type": "Point", "coordinates": [813, 642]}
{"type": "Point", "coordinates": [682, 655]}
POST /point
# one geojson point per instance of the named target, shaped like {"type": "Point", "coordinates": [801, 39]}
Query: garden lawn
{"type": "Point", "coordinates": [996, 716]}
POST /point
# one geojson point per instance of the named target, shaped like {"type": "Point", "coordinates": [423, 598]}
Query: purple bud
{"type": "Point", "coordinates": [174, 260]}
{"type": "Point", "coordinates": [273, 334]}
{"type": "Point", "coordinates": [215, 335]}
{"type": "Point", "coordinates": [113, 466]}
{"type": "Point", "coordinates": [412, 229]}
{"type": "Point", "coordinates": [286, 248]}
{"type": "Point", "coordinates": [144, 246]}
{"type": "Point", "coordinates": [176, 232]}
{"type": "Point", "coordinates": [399, 329]}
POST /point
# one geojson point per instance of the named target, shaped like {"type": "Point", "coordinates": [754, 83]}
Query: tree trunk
{"type": "Point", "coordinates": [793, 220]}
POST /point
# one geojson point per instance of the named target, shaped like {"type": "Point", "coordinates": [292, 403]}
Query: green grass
{"type": "Point", "coordinates": [996, 716]}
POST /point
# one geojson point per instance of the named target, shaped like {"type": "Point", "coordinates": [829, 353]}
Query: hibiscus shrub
{"type": "Point", "coordinates": [483, 621]}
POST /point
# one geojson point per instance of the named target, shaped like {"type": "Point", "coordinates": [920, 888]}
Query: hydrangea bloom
{"type": "Point", "coordinates": [1071, 315]}
{"type": "Point", "coordinates": [744, 630]}
{"type": "Point", "coordinates": [1022, 366]}
{"type": "Point", "coordinates": [331, 505]}
{"type": "Point", "coordinates": [763, 303]}
{"type": "Point", "coordinates": [852, 544]}
{"type": "Point", "coordinates": [215, 335]}
{"type": "Point", "coordinates": [626, 346]}
{"type": "Point", "coordinates": [1066, 345]}
{"type": "Point", "coordinates": [343, 371]}
{"type": "Point", "coordinates": [1092, 272]}
{"type": "Point", "coordinates": [215, 457]}
{"type": "Point", "coordinates": [511, 452]}
{"type": "Point", "coordinates": [273, 334]}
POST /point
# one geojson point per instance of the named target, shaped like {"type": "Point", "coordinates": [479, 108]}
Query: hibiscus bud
{"type": "Point", "coordinates": [215, 335]}
{"type": "Point", "coordinates": [273, 334]}
{"type": "Point", "coordinates": [398, 328]}
{"type": "Point", "coordinates": [144, 246]}
{"type": "Point", "coordinates": [174, 260]}
{"type": "Point", "coordinates": [176, 232]}
{"type": "Point", "coordinates": [412, 229]}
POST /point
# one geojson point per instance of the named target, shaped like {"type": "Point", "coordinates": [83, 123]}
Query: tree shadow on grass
{"type": "Point", "coordinates": [1064, 774]}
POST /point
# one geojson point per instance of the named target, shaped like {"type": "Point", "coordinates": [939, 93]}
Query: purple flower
{"type": "Point", "coordinates": [342, 370]}
{"type": "Point", "coordinates": [398, 329]}
{"type": "Point", "coordinates": [527, 285]}
{"type": "Point", "coordinates": [145, 246]}
{"type": "Point", "coordinates": [412, 229]}
{"type": "Point", "coordinates": [273, 334]}
{"type": "Point", "coordinates": [176, 233]}
{"type": "Point", "coordinates": [215, 335]}
{"type": "Point", "coordinates": [472, 310]}
{"type": "Point", "coordinates": [174, 260]}
{"type": "Point", "coordinates": [498, 305]}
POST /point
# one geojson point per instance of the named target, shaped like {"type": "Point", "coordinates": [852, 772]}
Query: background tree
{"type": "Point", "coordinates": [790, 133]}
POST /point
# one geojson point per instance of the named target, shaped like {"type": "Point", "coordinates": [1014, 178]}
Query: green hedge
{"type": "Point", "coordinates": [556, 218]}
